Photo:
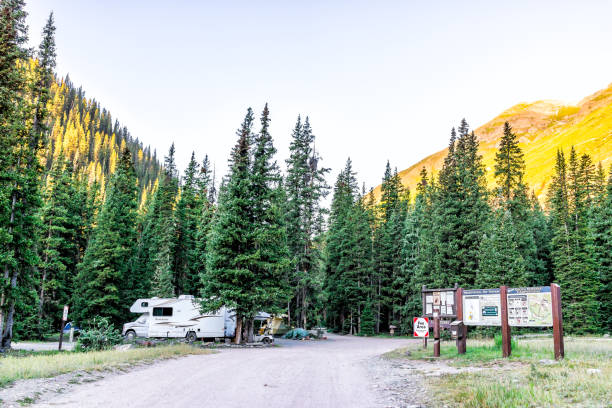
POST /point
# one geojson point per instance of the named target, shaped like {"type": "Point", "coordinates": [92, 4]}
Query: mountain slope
{"type": "Point", "coordinates": [543, 127]}
{"type": "Point", "coordinates": [86, 135]}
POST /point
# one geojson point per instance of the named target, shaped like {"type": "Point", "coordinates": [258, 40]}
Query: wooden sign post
{"type": "Point", "coordinates": [505, 326]}
{"type": "Point", "coordinates": [557, 317]}
{"type": "Point", "coordinates": [461, 337]}
{"type": "Point", "coordinates": [64, 318]}
{"type": "Point", "coordinates": [436, 336]}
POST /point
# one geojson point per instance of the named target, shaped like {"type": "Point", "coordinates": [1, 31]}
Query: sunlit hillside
{"type": "Point", "coordinates": [543, 127]}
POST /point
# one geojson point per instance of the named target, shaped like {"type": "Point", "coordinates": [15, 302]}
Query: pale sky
{"type": "Point", "coordinates": [379, 80]}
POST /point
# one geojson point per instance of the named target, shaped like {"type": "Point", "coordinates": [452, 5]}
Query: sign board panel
{"type": "Point", "coordinates": [421, 326]}
{"type": "Point", "coordinates": [530, 307]}
{"type": "Point", "coordinates": [65, 315]}
{"type": "Point", "coordinates": [440, 302]}
{"type": "Point", "coordinates": [481, 307]}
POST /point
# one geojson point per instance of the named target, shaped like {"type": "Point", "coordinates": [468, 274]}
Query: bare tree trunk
{"type": "Point", "coordinates": [6, 268]}
{"type": "Point", "coordinates": [238, 333]}
{"type": "Point", "coordinates": [378, 309]}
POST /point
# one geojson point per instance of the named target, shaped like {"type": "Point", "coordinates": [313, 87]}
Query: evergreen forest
{"type": "Point", "coordinates": [93, 219]}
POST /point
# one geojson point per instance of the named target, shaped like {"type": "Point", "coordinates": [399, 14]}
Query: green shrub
{"type": "Point", "coordinates": [100, 336]}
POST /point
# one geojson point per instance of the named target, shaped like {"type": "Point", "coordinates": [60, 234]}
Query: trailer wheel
{"type": "Point", "coordinates": [191, 337]}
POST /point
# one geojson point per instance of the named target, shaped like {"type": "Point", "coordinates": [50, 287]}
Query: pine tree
{"type": "Point", "coordinates": [460, 213]}
{"type": "Point", "coordinates": [60, 224]}
{"type": "Point", "coordinates": [305, 187]}
{"type": "Point", "coordinates": [512, 197]}
{"type": "Point", "coordinates": [574, 266]}
{"type": "Point", "coordinates": [102, 280]}
{"type": "Point", "coordinates": [343, 280]}
{"type": "Point", "coordinates": [23, 134]}
{"type": "Point", "coordinates": [500, 261]}
{"type": "Point", "coordinates": [228, 278]}
{"type": "Point", "coordinates": [601, 223]}
{"type": "Point", "coordinates": [270, 261]}
{"type": "Point", "coordinates": [189, 210]}
{"type": "Point", "coordinates": [198, 253]}
{"type": "Point", "coordinates": [165, 231]}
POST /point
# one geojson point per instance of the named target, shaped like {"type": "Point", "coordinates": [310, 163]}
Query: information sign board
{"type": "Point", "coordinates": [481, 307]}
{"type": "Point", "coordinates": [530, 307]}
{"type": "Point", "coordinates": [440, 302]}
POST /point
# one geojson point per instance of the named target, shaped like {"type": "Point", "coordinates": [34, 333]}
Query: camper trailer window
{"type": "Point", "coordinates": [162, 311]}
{"type": "Point", "coordinates": [144, 304]}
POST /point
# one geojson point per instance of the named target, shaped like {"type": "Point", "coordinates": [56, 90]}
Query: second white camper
{"type": "Point", "coordinates": [178, 317]}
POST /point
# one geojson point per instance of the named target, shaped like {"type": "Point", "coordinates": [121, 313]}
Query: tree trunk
{"type": "Point", "coordinates": [248, 330]}
{"type": "Point", "coordinates": [238, 332]}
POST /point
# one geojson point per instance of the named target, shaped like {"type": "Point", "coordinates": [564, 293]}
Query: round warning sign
{"type": "Point", "coordinates": [421, 326]}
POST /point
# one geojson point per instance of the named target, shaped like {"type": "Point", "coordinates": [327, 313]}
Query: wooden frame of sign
{"type": "Point", "coordinates": [438, 304]}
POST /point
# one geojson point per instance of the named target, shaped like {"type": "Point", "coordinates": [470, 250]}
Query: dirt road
{"type": "Point", "coordinates": [332, 373]}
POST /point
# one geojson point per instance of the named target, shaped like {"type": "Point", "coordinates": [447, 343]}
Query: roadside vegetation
{"type": "Point", "coordinates": [27, 365]}
{"type": "Point", "coordinates": [529, 378]}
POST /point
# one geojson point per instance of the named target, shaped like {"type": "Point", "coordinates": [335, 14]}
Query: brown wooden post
{"type": "Point", "coordinates": [506, 342]}
{"type": "Point", "coordinates": [423, 303]}
{"type": "Point", "coordinates": [461, 337]}
{"type": "Point", "coordinates": [437, 336]}
{"type": "Point", "coordinates": [64, 319]}
{"type": "Point", "coordinates": [555, 294]}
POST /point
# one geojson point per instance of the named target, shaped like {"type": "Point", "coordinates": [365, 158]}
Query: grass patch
{"type": "Point", "coordinates": [48, 365]}
{"type": "Point", "coordinates": [583, 378]}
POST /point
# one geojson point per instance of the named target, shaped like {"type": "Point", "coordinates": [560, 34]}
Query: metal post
{"type": "Point", "coordinates": [437, 336]}
{"type": "Point", "coordinates": [555, 294]}
{"type": "Point", "coordinates": [461, 336]}
{"type": "Point", "coordinates": [71, 338]}
{"type": "Point", "coordinates": [506, 343]}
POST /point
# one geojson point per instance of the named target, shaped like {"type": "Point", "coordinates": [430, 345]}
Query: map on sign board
{"type": "Point", "coordinates": [530, 307]}
{"type": "Point", "coordinates": [481, 307]}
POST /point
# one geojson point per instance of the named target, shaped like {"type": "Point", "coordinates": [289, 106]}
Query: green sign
{"type": "Point", "coordinates": [489, 311]}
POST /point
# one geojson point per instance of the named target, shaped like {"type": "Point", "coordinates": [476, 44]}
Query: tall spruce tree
{"type": "Point", "coordinates": [268, 237]}
{"type": "Point", "coordinates": [229, 279]}
{"type": "Point", "coordinates": [189, 211]}
{"type": "Point", "coordinates": [500, 261]}
{"type": "Point", "coordinates": [601, 223]}
{"type": "Point", "coordinates": [574, 264]}
{"type": "Point", "coordinates": [343, 281]}
{"type": "Point", "coordinates": [305, 188]}
{"type": "Point", "coordinates": [460, 213]}
{"type": "Point", "coordinates": [59, 252]}
{"type": "Point", "coordinates": [512, 197]}
{"type": "Point", "coordinates": [164, 230]}
{"type": "Point", "coordinates": [102, 280]}
{"type": "Point", "coordinates": [23, 134]}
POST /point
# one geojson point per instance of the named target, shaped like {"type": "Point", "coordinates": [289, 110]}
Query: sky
{"type": "Point", "coordinates": [379, 81]}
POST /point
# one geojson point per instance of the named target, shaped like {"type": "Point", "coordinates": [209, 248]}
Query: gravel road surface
{"type": "Point", "coordinates": [329, 373]}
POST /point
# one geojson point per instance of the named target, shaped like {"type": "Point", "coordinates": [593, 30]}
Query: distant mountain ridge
{"type": "Point", "coordinates": [542, 127]}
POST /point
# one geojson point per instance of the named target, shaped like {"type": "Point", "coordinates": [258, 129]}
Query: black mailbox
{"type": "Point", "coordinates": [457, 329]}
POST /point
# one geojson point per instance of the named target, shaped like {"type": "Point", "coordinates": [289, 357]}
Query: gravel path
{"type": "Point", "coordinates": [343, 371]}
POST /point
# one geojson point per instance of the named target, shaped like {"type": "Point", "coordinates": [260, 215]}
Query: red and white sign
{"type": "Point", "coordinates": [65, 315]}
{"type": "Point", "coordinates": [420, 326]}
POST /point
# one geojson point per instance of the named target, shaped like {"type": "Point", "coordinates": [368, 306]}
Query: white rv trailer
{"type": "Point", "coordinates": [178, 318]}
